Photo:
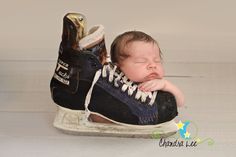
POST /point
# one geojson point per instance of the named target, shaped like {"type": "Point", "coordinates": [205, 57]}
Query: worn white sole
{"type": "Point", "coordinates": [76, 122]}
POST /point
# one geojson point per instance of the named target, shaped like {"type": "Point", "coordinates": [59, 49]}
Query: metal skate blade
{"type": "Point", "coordinates": [75, 122]}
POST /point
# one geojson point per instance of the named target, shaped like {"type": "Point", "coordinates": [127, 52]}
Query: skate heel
{"type": "Point", "coordinates": [67, 119]}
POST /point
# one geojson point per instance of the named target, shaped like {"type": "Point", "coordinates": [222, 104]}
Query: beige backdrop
{"type": "Point", "coordinates": [188, 30]}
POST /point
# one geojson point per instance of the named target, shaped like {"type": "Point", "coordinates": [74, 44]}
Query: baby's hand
{"type": "Point", "coordinates": [152, 85]}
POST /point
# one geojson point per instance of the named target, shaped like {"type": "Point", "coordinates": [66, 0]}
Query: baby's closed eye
{"type": "Point", "coordinates": [157, 61]}
{"type": "Point", "coordinates": [140, 60]}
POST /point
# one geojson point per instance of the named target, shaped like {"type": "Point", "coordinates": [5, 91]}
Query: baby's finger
{"type": "Point", "coordinates": [147, 86]}
{"type": "Point", "coordinates": [142, 87]}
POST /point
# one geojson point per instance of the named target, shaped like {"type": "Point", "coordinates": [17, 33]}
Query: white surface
{"type": "Point", "coordinates": [198, 41]}
{"type": "Point", "coordinates": [27, 113]}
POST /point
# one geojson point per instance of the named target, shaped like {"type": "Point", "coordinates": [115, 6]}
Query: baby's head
{"type": "Point", "coordinates": [138, 56]}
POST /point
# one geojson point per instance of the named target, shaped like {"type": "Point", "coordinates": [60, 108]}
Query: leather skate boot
{"type": "Point", "coordinates": [80, 55]}
{"type": "Point", "coordinates": [122, 110]}
{"type": "Point", "coordinates": [115, 98]}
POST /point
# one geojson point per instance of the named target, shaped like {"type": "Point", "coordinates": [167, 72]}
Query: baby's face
{"type": "Point", "coordinates": [143, 63]}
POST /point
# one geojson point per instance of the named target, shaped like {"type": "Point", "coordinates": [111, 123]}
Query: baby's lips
{"type": "Point", "coordinates": [152, 76]}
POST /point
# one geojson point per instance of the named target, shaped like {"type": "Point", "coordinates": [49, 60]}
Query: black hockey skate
{"type": "Point", "coordinates": [80, 55]}
{"type": "Point", "coordinates": [125, 110]}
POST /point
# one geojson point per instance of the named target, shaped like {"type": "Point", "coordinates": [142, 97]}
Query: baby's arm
{"type": "Point", "coordinates": [161, 84]}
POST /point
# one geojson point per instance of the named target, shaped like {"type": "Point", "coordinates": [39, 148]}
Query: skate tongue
{"type": "Point", "coordinates": [79, 21]}
{"type": "Point", "coordinates": [95, 36]}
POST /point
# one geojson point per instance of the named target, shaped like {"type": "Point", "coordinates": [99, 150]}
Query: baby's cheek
{"type": "Point", "coordinates": [135, 76]}
{"type": "Point", "coordinates": [161, 72]}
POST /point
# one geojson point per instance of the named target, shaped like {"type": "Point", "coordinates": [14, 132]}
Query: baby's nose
{"type": "Point", "coordinates": [152, 66]}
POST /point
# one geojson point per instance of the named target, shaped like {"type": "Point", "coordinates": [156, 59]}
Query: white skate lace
{"type": "Point", "coordinates": [127, 85]}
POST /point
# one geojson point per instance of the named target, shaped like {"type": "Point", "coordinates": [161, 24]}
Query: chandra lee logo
{"type": "Point", "coordinates": [185, 137]}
